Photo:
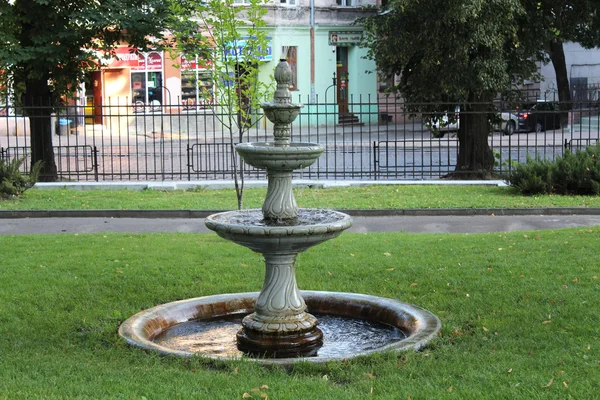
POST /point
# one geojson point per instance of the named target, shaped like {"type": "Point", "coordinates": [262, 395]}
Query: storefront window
{"type": "Point", "coordinates": [147, 83]}
{"type": "Point", "coordinates": [196, 84]}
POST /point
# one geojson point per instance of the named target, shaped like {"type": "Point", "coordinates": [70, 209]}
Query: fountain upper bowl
{"type": "Point", "coordinates": [281, 113]}
{"type": "Point", "coordinates": [266, 155]}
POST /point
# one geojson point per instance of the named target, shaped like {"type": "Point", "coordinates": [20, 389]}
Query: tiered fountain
{"type": "Point", "coordinates": [280, 329]}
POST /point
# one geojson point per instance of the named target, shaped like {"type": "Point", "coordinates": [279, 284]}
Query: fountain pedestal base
{"type": "Point", "coordinates": [280, 345]}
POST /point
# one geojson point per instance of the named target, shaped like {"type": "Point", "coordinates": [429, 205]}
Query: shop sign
{"type": "Point", "coordinates": [236, 50]}
{"type": "Point", "coordinates": [193, 63]}
{"type": "Point", "coordinates": [344, 38]}
{"type": "Point", "coordinates": [125, 58]}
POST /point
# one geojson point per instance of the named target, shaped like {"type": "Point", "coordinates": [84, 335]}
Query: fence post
{"type": "Point", "coordinates": [189, 163]}
{"type": "Point", "coordinates": [95, 162]}
{"type": "Point", "coordinates": [375, 160]}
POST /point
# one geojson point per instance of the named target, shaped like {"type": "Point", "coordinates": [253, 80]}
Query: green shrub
{"type": "Point", "coordinates": [12, 182]}
{"type": "Point", "coordinates": [574, 173]}
{"type": "Point", "coordinates": [533, 177]}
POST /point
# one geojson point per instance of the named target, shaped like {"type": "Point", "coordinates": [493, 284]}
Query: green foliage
{"type": "Point", "coordinates": [454, 52]}
{"type": "Point", "coordinates": [57, 41]}
{"type": "Point", "coordinates": [231, 39]}
{"type": "Point", "coordinates": [12, 182]}
{"type": "Point", "coordinates": [572, 174]}
{"type": "Point", "coordinates": [447, 51]}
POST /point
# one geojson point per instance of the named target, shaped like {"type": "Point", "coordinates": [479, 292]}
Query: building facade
{"type": "Point", "coordinates": [317, 37]}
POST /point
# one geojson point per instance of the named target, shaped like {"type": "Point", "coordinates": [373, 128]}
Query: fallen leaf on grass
{"type": "Point", "coordinates": [264, 387]}
{"type": "Point", "coordinates": [390, 269]}
{"type": "Point", "coordinates": [565, 383]}
{"type": "Point", "coordinates": [549, 383]}
{"type": "Point", "coordinates": [387, 254]}
{"type": "Point", "coordinates": [246, 396]}
{"type": "Point", "coordinates": [450, 389]}
{"type": "Point", "coordinates": [370, 375]}
{"type": "Point", "coordinates": [547, 322]}
{"type": "Point", "coordinates": [413, 284]}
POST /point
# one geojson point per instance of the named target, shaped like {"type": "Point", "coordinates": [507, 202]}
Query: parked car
{"type": "Point", "coordinates": [533, 117]}
{"type": "Point", "coordinates": [441, 123]}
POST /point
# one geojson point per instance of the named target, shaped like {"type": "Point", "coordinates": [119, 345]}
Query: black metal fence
{"type": "Point", "coordinates": [383, 140]}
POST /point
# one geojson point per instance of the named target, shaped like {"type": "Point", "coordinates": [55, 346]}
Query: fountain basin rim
{"type": "Point", "coordinates": [420, 325]}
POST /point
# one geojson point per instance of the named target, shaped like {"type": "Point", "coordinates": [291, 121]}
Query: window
{"type": "Point", "coordinates": [291, 55]}
{"type": "Point", "coordinates": [147, 83]}
{"type": "Point", "coordinates": [196, 84]}
{"type": "Point", "coordinates": [345, 3]}
{"type": "Point", "coordinates": [288, 2]}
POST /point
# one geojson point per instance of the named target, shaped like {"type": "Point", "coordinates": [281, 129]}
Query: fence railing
{"type": "Point", "coordinates": [383, 140]}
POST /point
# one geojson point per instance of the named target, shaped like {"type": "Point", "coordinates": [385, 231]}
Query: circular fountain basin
{"type": "Point", "coordinates": [249, 229]}
{"type": "Point", "coordinates": [266, 155]}
{"type": "Point", "coordinates": [353, 325]}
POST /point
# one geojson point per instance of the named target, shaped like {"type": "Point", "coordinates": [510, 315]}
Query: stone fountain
{"type": "Point", "coordinates": [275, 323]}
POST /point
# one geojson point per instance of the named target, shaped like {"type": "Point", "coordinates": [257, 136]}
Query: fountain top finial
{"type": "Point", "coordinates": [283, 77]}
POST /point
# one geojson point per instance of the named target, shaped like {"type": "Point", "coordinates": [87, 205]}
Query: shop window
{"type": "Point", "coordinates": [147, 83]}
{"type": "Point", "coordinates": [290, 53]}
{"type": "Point", "coordinates": [197, 89]}
{"type": "Point", "coordinates": [146, 89]}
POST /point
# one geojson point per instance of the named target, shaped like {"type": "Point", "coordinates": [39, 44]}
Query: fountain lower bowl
{"type": "Point", "coordinates": [168, 328]}
{"type": "Point", "coordinates": [247, 228]}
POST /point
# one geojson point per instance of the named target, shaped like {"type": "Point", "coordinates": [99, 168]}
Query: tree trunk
{"type": "Point", "coordinates": [557, 55]}
{"type": "Point", "coordinates": [475, 158]}
{"type": "Point", "coordinates": [38, 105]}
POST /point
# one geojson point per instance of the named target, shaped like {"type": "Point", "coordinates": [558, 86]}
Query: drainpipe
{"type": "Point", "coordinates": [312, 51]}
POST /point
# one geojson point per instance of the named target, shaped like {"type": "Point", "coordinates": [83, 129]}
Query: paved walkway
{"type": "Point", "coordinates": [390, 223]}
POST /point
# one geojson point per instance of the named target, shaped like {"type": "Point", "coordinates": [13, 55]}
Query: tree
{"type": "Point", "coordinates": [554, 22]}
{"type": "Point", "coordinates": [232, 40]}
{"type": "Point", "coordinates": [47, 45]}
{"type": "Point", "coordinates": [459, 52]}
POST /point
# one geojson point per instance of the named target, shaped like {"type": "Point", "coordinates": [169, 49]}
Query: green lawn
{"type": "Point", "coordinates": [366, 197]}
{"type": "Point", "coordinates": [519, 313]}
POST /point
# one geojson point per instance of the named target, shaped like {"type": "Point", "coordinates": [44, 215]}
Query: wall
{"type": "Point", "coordinates": [580, 63]}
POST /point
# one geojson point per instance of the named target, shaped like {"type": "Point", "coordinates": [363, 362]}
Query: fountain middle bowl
{"type": "Point", "coordinates": [249, 229]}
{"type": "Point", "coordinates": [266, 155]}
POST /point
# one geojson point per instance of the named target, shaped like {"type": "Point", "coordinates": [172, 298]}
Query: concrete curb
{"type": "Point", "coordinates": [176, 214]}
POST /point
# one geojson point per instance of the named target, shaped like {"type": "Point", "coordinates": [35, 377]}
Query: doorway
{"type": "Point", "coordinates": [342, 79]}
{"type": "Point", "coordinates": [93, 98]}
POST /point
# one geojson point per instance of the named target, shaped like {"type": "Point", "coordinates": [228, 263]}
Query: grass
{"type": "Point", "coordinates": [367, 197]}
{"type": "Point", "coordinates": [519, 313]}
